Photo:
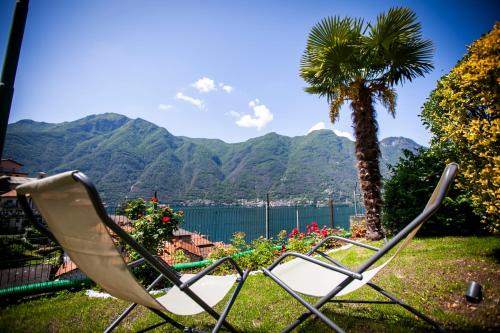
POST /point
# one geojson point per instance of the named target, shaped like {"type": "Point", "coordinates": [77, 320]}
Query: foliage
{"type": "Point", "coordinates": [463, 113]}
{"type": "Point", "coordinates": [155, 227]}
{"type": "Point", "coordinates": [297, 245]}
{"type": "Point", "coordinates": [263, 253]}
{"type": "Point", "coordinates": [239, 242]}
{"type": "Point", "coordinates": [180, 257]}
{"type": "Point", "coordinates": [411, 185]}
{"type": "Point", "coordinates": [358, 228]}
{"type": "Point", "coordinates": [135, 209]}
{"type": "Point", "coordinates": [346, 59]}
{"type": "Point", "coordinates": [220, 252]}
{"type": "Point", "coordinates": [303, 241]}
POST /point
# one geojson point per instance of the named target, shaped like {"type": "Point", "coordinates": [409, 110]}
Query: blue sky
{"type": "Point", "coordinates": [214, 69]}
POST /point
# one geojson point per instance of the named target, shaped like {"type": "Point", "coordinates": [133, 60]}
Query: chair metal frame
{"type": "Point", "coordinates": [164, 270]}
{"type": "Point", "coordinates": [433, 205]}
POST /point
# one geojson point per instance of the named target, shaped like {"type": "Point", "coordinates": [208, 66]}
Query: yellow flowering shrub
{"type": "Point", "coordinates": [463, 113]}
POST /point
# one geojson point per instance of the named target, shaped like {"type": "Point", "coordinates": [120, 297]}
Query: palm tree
{"type": "Point", "coordinates": [346, 59]}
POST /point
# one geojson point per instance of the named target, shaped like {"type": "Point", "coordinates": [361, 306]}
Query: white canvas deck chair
{"type": "Point", "coordinates": [78, 221]}
{"type": "Point", "coordinates": [326, 280]}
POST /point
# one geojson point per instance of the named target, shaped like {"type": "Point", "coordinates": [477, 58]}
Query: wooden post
{"type": "Point", "coordinates": [267, 215]}
{"type": "Point", "coordinates": [330, 203]}
{"type": "Point", "coordinates": [297, 213]}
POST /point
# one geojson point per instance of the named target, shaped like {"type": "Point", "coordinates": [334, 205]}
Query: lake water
{"type": "Point", "coordinates": [220, 223]}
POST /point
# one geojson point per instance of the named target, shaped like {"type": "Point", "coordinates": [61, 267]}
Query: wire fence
{"type": "Point", "coordinates": [219, 223]}
{"type": "Point", "coordinates": [27, 258]}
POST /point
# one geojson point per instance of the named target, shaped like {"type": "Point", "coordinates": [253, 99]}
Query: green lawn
{"type": "Point", "coordinates": [431, 275]}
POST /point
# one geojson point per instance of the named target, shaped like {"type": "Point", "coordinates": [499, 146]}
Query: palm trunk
{"type": "Point", "coordinates": [367, 154]}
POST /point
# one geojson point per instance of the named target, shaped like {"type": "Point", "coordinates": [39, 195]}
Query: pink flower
{"type": "Point", "coordinates": [165, 219]}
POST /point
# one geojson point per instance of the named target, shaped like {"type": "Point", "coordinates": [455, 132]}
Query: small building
{"type": "Point", "coordinates": [195, 246]}
{"type": "Point", "coordinates": [9, 167]}
{"type": "Point", "coordinates": [11, 216]}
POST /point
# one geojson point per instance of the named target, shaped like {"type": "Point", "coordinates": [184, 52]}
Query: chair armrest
{"type": "Point", "coordinates": [346, 240]}
{"type": "Point", "coordinates": [342, 270]}
{"type": "Point", "coordinates": [140, 261]}
{"type": "Point", "coordinates": [210, 268]}
{"type": "Point", "coordinates": [135, 263]}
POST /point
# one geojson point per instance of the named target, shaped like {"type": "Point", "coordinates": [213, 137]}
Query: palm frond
{"type": "Point", "coordinates": [396, 47]}
{"type": "Point", "coordinates": [330, 56]}
{"type": "Point", "coordinates": [387, 96]}
{"type": "Point", "coordinates": [335, 105]}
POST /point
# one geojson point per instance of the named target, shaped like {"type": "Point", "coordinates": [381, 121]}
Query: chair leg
{"type": "Point", "coordinates": [122, 316]}
{"type": "Point", "coordinates": [230, 303]}
{"type": "Point", "coordinates": [312, 309]}
{"type": "Point", "coordinates": [168, 319]}
{"type": "Point", "coordinates": [407, 307]}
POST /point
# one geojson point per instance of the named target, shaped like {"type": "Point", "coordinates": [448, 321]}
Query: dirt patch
{"type": "Point", "coordinates": [486, 313]}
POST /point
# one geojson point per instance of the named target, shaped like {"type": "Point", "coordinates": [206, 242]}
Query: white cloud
{"type": "Point", "coordinates": [344, 134]}
{"type": "Point", "coordinates": [261, 116]}
{"type": "Point", "coordinates": [196, 102]}
{"type": "Point", "coordinates": [164, 107]}
{"type": "Point", "coordinates": [318, 126]}
{"type": "Point", "coordinates": [227, 88]}
{"type": "Point", "coordinates": [204, 85]}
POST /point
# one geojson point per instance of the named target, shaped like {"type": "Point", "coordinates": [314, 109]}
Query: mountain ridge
{"type": "Point", "coordinates": [133, 157]}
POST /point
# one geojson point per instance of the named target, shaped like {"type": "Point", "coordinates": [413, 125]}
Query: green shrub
{"type": "Point", "coordinates": [407, 192]}
{"type": "Point", "coordinates": [151, 229]}
{"type": "Point", "coordinates": [263, 253]}
{"type": "Point", "coordinates": [135, 209]}
{"type": "Point", "coordinates": [298, 245]}
{"type": "Point", "coordinates": [180, 257]}
{"type": "Point", "coordinates": [220, 252]}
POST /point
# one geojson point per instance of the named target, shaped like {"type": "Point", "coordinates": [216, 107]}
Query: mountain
{"type": "Point", "coordinates": [133, 158]}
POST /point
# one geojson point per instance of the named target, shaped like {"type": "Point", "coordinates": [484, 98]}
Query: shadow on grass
{"type": "Point", "coordinates": [495, 255]}
{"type": "Point", "coordinates": [378, 321]}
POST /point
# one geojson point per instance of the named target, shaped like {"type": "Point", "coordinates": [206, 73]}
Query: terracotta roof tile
{"type": "Point", "coordinates": [10, 194]}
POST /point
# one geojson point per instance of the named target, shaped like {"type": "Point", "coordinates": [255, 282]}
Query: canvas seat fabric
{"type": "Point", "coordinates": [72, 219]}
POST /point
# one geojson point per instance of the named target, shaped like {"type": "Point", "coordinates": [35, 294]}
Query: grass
{"type": "Point", "coordinates": [431, 275]}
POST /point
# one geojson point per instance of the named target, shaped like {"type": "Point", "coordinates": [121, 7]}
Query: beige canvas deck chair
{"type": "Point", "coordinates": [78, 221]}
{"type": "Point", "coordinates": [326, 280]}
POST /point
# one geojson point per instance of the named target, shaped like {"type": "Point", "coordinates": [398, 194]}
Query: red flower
{"type": "Point", "coordinates": [154, 200]}
{"type": "Point", "coordinates": [165, 219]}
